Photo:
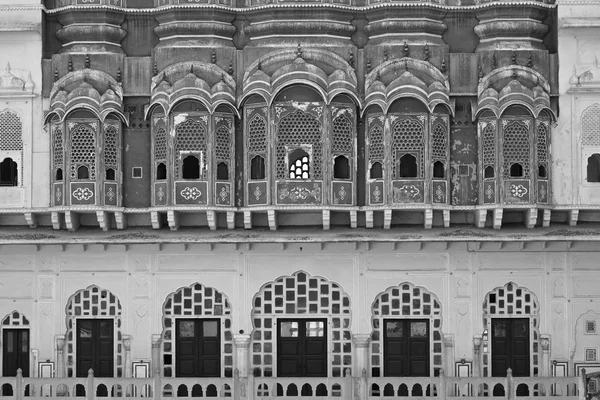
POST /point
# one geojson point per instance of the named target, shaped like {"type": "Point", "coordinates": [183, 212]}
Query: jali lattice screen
{"type": "Point", "coordinates": [300, 294]}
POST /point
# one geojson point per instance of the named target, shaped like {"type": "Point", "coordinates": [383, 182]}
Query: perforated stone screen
{"type": "Point", "coordinates": [190, 136]}
{"type": "Point", "coordinates": [376, 147]}
{"type": "Point", "coordinates": [83, 147]}
{"type": "Point", "coordinates": [511, 300]}
{"type": "Point", "coordinates": [343, 136]}
{"type": "Point", "coordinates": [439, 140]}
{"type": "Point", "coordinates": [406, 301]}
{"type": "Point", "coordinates": [93, 302]}
{"type": "Point", "coordinates": [14, 319]}
{"type": "Point", "coordinates": [11, 131]}
{"type": "Point", "coordinates": [111, 145]}
{"type": "Point", "coordinates": [590, 126]}
{"type": "Point", "coordinates": [516, 146]}
{"type": "Point", "coordinates": [57, 147]}
{"type": "Point", "coordinates": [542, 142]}
{"type": "Point", "coordinates": [300, 295]}
{"type": "Point", "coordinates": [196, 301]}
{"type": "Point", "coordinates": [407, 136]}
{"type": "Point", "coordinates": [489, 145]}
{"type": "Point", "coordinates": [257, 134]}
{"type": "Point", "coordinates": [295, 129]}
{"type": "Point", "coordinates": [223, 144]}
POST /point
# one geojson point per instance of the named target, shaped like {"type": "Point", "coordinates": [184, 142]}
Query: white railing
{"type": "Point", "coordinates": [264, 388]}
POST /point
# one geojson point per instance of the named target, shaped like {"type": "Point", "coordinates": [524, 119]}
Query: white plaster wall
{"type": "Point", "coordinates": [39, 283]}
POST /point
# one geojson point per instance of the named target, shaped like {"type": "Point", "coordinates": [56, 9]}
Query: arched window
{"type": "Point", "coordinates": [408, 166]}
{"type": "Point", "coordinates": [593, 168]}
{"type": "Point", "coordinates": [376, 170]}
{"type": "Point", "coordinates": [516, 170]}
{"type": "Point", "coordinates": [59, 174]}
{"type": "Point", "coordinates": [438, 170]}
{"type": "Point", "coordinates": [341, 168]}
{"type": "Point", "coordinates": [542, 173]}
{"type": "Point", "coordinates": [190, 168]}
{"type": "Point", "coordinates": [257, 168]}
{"type": "Point", "coordinates": [489, 172]}
{"type": "Point", "coordinates": [299, 164]}
{"type": "Point", "coordinates": [110, 174]}
{"type": "Point", "coordinates": [161, 172]}
{"type": "Point", "coordinates": [222, 172]}
{"type": "Point", "coordinates": [83, 172]}
{"type": "Point", "coordinates": [8, 172]}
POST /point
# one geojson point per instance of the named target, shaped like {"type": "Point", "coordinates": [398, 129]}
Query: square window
{"type": "Point", "coordinates": [136, 172]}
{"type": "Point", "coordinates": [590, 327]}
{"type": "Point", "coordinates": [591, 354]}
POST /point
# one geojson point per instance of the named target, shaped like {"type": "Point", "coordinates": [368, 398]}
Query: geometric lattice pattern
{"type": "Point", "coordinates": [299, 128]}
{"type": "Point", "coordinates": [376, 148]}
{"type": "Point", "coordinates": [439, 143]}
{"type": "Point", "coordinates": [407, 136]}
{"type": "Point", "coordinates": [160, 145]}
{"type": "Point", "coordinates": [223, 144]}
{"type": "Point", "coordinates": [489, 145]}
{"type": "Point", "coordinates": [83, 149]}
{"type": "Point", "coordinates": [93, 302]}
{"type": "Point", "coordinates": [590, 126]}
{"type": "Point", "coordinates": [257, 134]}
{"type": "Point", "coordinates": [191, 136]}
{"type": "Point", "coordinates": [342, 136]}
{"type": "Point", "coordinates": [516, 147]}
{"type": "Point", "coordinates": [542, 144]}
{"type": "Point", "coordinates": [111, 145]}
{"type": "Point", "coordinates": [58, 149]}
{"type": "Point", "coordinates": [406, 301]}
{"type": "Point", "coordinates": [196, 301]}
{"type": "Point", "coordinates": [300, 294]}
{"type": "Point", "coordinates": [11, 131]}
{"type": "Point", "coordinates": [508, 301]}
{"type": "Point", "coordinates": [13, 319]}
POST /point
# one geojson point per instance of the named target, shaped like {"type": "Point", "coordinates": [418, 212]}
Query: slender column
{"type": "Point", "coordinates": [361, 355]}
{"type": "Point", "coordinates": [127, 347]}
{"type": "Point", "coordinates": [60, 356]}
{"type": "Point", "coordinates": [477, 355]}
{"type": "Point", "coordinates": [545, 342]}
{"type": "Point", "coordinates": [449, 354]}
{"type": "Point", "coordinates": [156, 364]}
{"type": "Point", "coordinates": [242, 354]}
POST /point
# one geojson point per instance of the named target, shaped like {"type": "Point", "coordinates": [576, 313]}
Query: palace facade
{"type": "Point", "coordinates": [256, 199]}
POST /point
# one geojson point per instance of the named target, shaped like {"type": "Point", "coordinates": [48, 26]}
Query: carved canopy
{"type": "Point", "coordinates": [192, 80]}
{"type": "Point", "coordinates": [513, 85]}
{"type": "Point", "coordinates": [407, 77]}
{"type": "Point", "coordinates": [325, 71]}
{"type": "Point", "coordinates": [88, 89]}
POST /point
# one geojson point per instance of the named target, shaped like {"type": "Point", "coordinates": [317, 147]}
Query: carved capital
{"type": "Point", "coordinates": [361, 340]}
{"type": "Point", "coordinates": [127, 342]}
{"type": "Point", "coordinates": [156, 340]}
{"type": "Point", "coordinates": [476, 343]}
{"type": "Point", "coordinates": [60, 343]}
{"type": "Point", "coordinates": [545, 343]}
{"type": "Point", "coordinates": [241, 341]}
{"type": "Point", "coordinates": [449, 340]}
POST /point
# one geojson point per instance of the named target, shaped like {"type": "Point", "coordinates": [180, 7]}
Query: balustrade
{"type": "Point", "coordinates": [262, 388]}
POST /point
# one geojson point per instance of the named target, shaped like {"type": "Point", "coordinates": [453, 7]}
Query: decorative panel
{"type": "Point", "coordinates": [112, 136]}
{"type": "Point", "coordinates": [439, 192]}
{"type": "Point", "coordinates": [590, 126]}
{"type": "Point", "coordinates": [257, 194]}
{"type": "Point", "coordinates": [408, 191]}
{"type": "Point", "coordinates": [191, 192]}
{"type": "Point", "coordinates": [87, 2]}
{"type": "Point", "coordinates": [83, 193]}
{"type": "Point", "coordinates": [301, 294]}
{"type": "Point", "coordinates": [516, 145]}
{"type": "Point", "coordinates": [196, 301]}
{"type": "Point", "coordinates": [376, 145]}
{"type": "Point", "coordinates": [298, 125]}
{"type": "Point", "coordinates": [223, 194]}
{"type": "Point", "coordinates": [58, 150]}
{"type": "Point", "coordinates": [342, 193]}
{"type": "Point", "coordinates": [489, 192]}
{"type": "Point", "coordinates": [161, 196]}
{"type": "Point", "coordinates": [83, 147]}
{"type": "Point", "coordinates": [376, 192]}
{"type": "Point", "coordinates": [190, 137]}
{"type": "Point", "coordinates": [58, 194]}
{"type": "Point", "coordinates": [407, 138]}
{"type": "Point", "coordinates": [439, 138]}
{"type": "Point", "coordinates": [299, 192]}
{"type": "Point", "coordinates": [223, 143]}
{"type": "Point", "coordinates": [542, 191]}
{"type": "Point", "coordinates": [517, 191]}
{"type": "Point", "coordinates": [406, 301]}
{"type": "Point", "coordinates": [111, 194]}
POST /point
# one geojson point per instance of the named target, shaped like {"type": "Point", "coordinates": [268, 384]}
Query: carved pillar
{"type": "Point", "coordinates": [60, 356]}
{"type": "Point", "coordinates": [545, 342]}
{"type": "Point", "coordinates": [156, 364]}
{"type": "Point", "coordinates": [127, 347]}
{"type": "Point", "coordinates": [242, 344]}
{"type": "Point", "coordinates": [449, 354]}
{"type": "Point", "coordinates": [361, 353]}
{"type": "Point", "coordinates": [477, 355]}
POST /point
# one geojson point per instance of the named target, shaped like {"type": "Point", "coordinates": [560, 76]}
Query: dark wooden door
{"type": "Point", "coordinates": [15, 355]}
{"type": "Point", "coordinates": [406, 347]}
{"type": "Point", "coordinates": [95, 347]}
{"type": "Point", "coordinates": [198, 348]}
{"type": "Point", "coordinates": [302, 347]}
{"type": "Point", "coordinates": [510, 346]}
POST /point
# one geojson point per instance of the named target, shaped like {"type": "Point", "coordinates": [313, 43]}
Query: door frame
{"type": "Point", "coordinates": [491, 337]}
{"type": "Point", "coordinates": [116, 341]}
{"type": "Point", "coordinates": [176, 319]}
{"type": "Point", "coordinates": [315, 317]}
{"type": "Point", "coordinates": [30, 352]}
{"type": "Point", "coordinates": [386, 318]}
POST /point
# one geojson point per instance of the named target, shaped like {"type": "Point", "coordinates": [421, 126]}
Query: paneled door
{"type": "Point", "coordinates": [198, 348]}
{"type": "Point", "coordinates": [15, 355]}
{"type": "Point", "coordinates": [302, 347]}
